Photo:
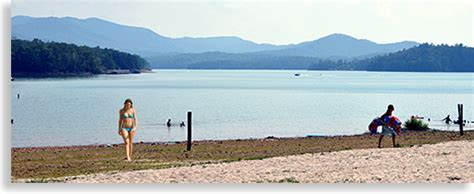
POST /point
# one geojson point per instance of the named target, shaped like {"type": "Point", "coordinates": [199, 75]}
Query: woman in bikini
{"type": "Point", "coordinates": [127, 126]}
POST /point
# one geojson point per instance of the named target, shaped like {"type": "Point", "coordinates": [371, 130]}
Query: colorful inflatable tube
{"type": "Point", "coordinates": [391, 121]}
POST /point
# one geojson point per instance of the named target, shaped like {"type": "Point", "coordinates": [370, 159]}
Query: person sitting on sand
{"type": "Point", "coordinates": [447, 120]}
{"type": "Point", "coordinates": [127, 126]}
{"type": "Point", "coordinates": [386, 130]}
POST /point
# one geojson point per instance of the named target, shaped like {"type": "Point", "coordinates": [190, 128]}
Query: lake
{"type": "Point", "coordinates": [229, 104]}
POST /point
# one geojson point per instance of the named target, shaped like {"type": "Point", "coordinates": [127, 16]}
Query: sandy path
{"type": "Point", "coordinates": [438, 163]}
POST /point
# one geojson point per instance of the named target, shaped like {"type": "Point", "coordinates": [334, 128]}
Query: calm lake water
{"type": "Point", "coordinates": [229, 104]}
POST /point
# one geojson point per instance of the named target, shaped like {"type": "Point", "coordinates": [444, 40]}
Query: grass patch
{"type": "Point", "coordinates": [414, 124]}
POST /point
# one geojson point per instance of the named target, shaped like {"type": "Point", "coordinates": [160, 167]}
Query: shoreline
{"type": "Point", "coordinates": [219, 140]}
{"type": "Point", "coordinates": [71, 75]}
{"type": "Point", "coordinates": [153, 70]}
{"type": "Point", "coordinates": [42, 163]}
{"type": "Point", "coordinates": [180, 142]}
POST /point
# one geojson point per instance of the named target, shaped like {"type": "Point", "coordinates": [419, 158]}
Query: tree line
{"type": "Point", "coordinates": [422, 58]}
{"type": "Point", "coordinates": [38, 58]}
{"type": "Point", "coordinates": [220, 60]}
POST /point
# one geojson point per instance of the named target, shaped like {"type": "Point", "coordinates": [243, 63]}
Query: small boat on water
{"type": "Point", "coordinates": [297, 74]}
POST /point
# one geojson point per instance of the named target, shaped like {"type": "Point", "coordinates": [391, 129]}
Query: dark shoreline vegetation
{"type": "Point", "coordinates": [51, 59]}
{"type": "Point", "coordinates": [422, 58]}
{"type": "Point", "coordinates": [43, 164]}
{"type": "Point", "coordinates": [38, 59]}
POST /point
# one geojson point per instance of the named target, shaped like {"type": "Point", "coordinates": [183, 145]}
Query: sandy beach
{"type": "Point", "coordinates": [448, 162]}
{"type": "Point", "coordinates": [353, 158]}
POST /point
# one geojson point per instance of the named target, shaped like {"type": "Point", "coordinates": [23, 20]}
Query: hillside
{"type": "Point", "coordinates": [38, 58]}
{"type": "Point", "coordinates": [340, 46]}
{"type": "Point", "coordinates": [138, 40]}
{"type": "Point", "coordinates": [423, 58]}
{"type": "Point", "coordinates": [145, 42]}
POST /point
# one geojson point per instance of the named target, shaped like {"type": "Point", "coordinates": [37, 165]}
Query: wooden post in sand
{"type": "Point", "coordinates": [460, 119]}
{"type": "Point", "coordinates": [189, 130]}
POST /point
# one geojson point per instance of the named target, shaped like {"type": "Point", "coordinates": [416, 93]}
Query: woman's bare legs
{"type": "Point", "coordinates": [126, 141]}
{"type": "Point", "coordinates": [130, 140]}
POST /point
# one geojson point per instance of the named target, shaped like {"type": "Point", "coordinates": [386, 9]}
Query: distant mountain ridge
{"type": "Point", "coordinates": [89, 32]}
{"type": "Point", "coordinates": [97, 32]}
{"type": "Point", "coordinates": [340, 46]}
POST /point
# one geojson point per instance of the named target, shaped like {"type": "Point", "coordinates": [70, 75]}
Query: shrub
{"type": "Point", "coordinates": [414, 124]}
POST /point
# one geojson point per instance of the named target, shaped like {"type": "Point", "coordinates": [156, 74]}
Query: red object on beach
{"type": "Point", "coordinates": [395, 123]}
{"type": "Point", "coordinates": [392, 121]}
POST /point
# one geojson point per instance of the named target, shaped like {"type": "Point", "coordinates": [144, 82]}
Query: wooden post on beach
{"type": "Point", "coordinates": [460, 119]}
{"type": "Point", "coordinates": [189, 130]}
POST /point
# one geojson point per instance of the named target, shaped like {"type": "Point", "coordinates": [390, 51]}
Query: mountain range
{"type": "Point", "coordinates": [340, 46]}
{"type": "Point", "coordinates": [95, 32]}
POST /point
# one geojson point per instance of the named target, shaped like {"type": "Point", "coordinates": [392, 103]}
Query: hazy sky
{"type": "Point", "coordinates": [277, 21]}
